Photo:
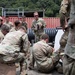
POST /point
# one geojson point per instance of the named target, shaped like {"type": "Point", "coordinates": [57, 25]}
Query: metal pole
{"type": "Point", "coordinates": [43, 12]}
{"type": "Point", "coordinates": [23, 12]}
{"type": "Point", "coordinates": [2, 11]}
{"type": "Point", "coordinates": [18, 12]}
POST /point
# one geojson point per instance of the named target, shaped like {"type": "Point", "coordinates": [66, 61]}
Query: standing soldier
{"type": "Point", "coordinates": [24, 23]}
{"type": "Point", "coordinates": [17, 24]}
{"type": "Point", "coordinates": [8, 23]}
{"type": "Point", "coordinates": [38, 26]}
{"type": "Point", "coordinates": [69, 57]}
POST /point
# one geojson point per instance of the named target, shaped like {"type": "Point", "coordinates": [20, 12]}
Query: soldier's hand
{"type": "Point", "coordinates": [53, 50]}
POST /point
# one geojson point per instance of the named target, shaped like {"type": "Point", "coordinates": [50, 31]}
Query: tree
{"type": "Point", "coordinates": [51, 7]}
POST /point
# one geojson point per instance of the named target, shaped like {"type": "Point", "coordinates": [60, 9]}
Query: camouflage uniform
{"type": "Point", "coordinates": [43, 57]}
{"type": "Point", "coordinates": [69, 57]}
{"type": "Point", "coordinates": [9, 24]}
{"type": "Point", "coordinates": [19, 66]}
{"type": "Point", "coordinates": [25, 25]}
{"type": "Point", "coordinates": [37, 29]}
{"type": "Point", "coordinates": [64, 12]}
{"type": "Point", "coordinates": [1, 36]}
{"type": "Point", "coordinates": [63, 40]}
{"type": "Point", "coordinates": [11, 50]}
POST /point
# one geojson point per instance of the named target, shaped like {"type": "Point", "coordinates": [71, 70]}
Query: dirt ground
{"type": "Point", "coordinates": [33, 72]}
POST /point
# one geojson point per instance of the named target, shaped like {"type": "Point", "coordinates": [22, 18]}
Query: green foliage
{"type": "Point", "coordinates": [51, 7]}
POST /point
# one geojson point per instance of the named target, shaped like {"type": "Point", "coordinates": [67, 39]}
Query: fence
{"type": "Point", "coordinates": [51, 22]}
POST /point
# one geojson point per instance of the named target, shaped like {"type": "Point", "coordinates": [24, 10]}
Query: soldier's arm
{"type": "Point", "coordinates": [26, 44]}
{"type": "Point", "coordinates": [64, 6]}
{"type": "Point", "coordinates": [49, 50]}
{"type": "Point", "coordinates": [26, 25]}
{"type": "Point", "coordinates": [43, 23]}
{"type": "Point", "coordinates": [33, 25]}
{"type": "Point", "coordinates": [64, 11]}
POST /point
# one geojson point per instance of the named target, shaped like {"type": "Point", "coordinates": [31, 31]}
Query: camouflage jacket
{"type": "Point", "coordinates": [35, 28]}
{"type": "Point", "coordinates": [25, 25]}
{"type": "Point", "coordinates": [42, 52]}
{"type": "Point", "coordinates": [1, 36]}
{"type": "Point", "coordinates": [63, 40]}
{"type": "Point", "coordinates": [11, 45]}
{"type": "Point", "coordinates": [70, 46]}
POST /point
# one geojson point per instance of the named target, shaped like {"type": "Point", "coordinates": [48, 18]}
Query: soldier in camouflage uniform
{"type": "Point", "coordinates": [43, 55]}
{"type": "Point", "coordinates": [17, 24]}
{"type": "Point", "coordinates": [4, 30]}
{"type": "Point", "coordinates": [24, 23]}
{"type": "Point", "coordinates": [12, 50]}
{"type": "Point", "coordinates": [69, 57]}
{"type": "Point", "coordinates": [8, 23]}
{"type": "Point", "coordinates": [38, 26]}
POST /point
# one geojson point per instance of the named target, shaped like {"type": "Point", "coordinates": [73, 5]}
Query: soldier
{"type": "Point", "coordinates": [13, 49]}
{"type": "Point", "coordinates": [38, 26]}
{"type": "Point", "coordinates": [69, 57]}
{"type": "Point", "coordinates": [24, 23]}
{"type": "Point", "coordinates": [17, 24]}
{"type": "Point", "coordinates": [4, 30]}
{"type": "Point", "coordinates": [43, 55]}
{"type": "Point", "coordinates": [8, 23]}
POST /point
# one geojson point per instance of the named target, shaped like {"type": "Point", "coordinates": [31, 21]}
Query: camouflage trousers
{"type": "Point", "coordinates": [68, 65]}
{"type": "Point", "coordinates": [51, 63]}
{"type": "Point", "coordinates": [21, 67]}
